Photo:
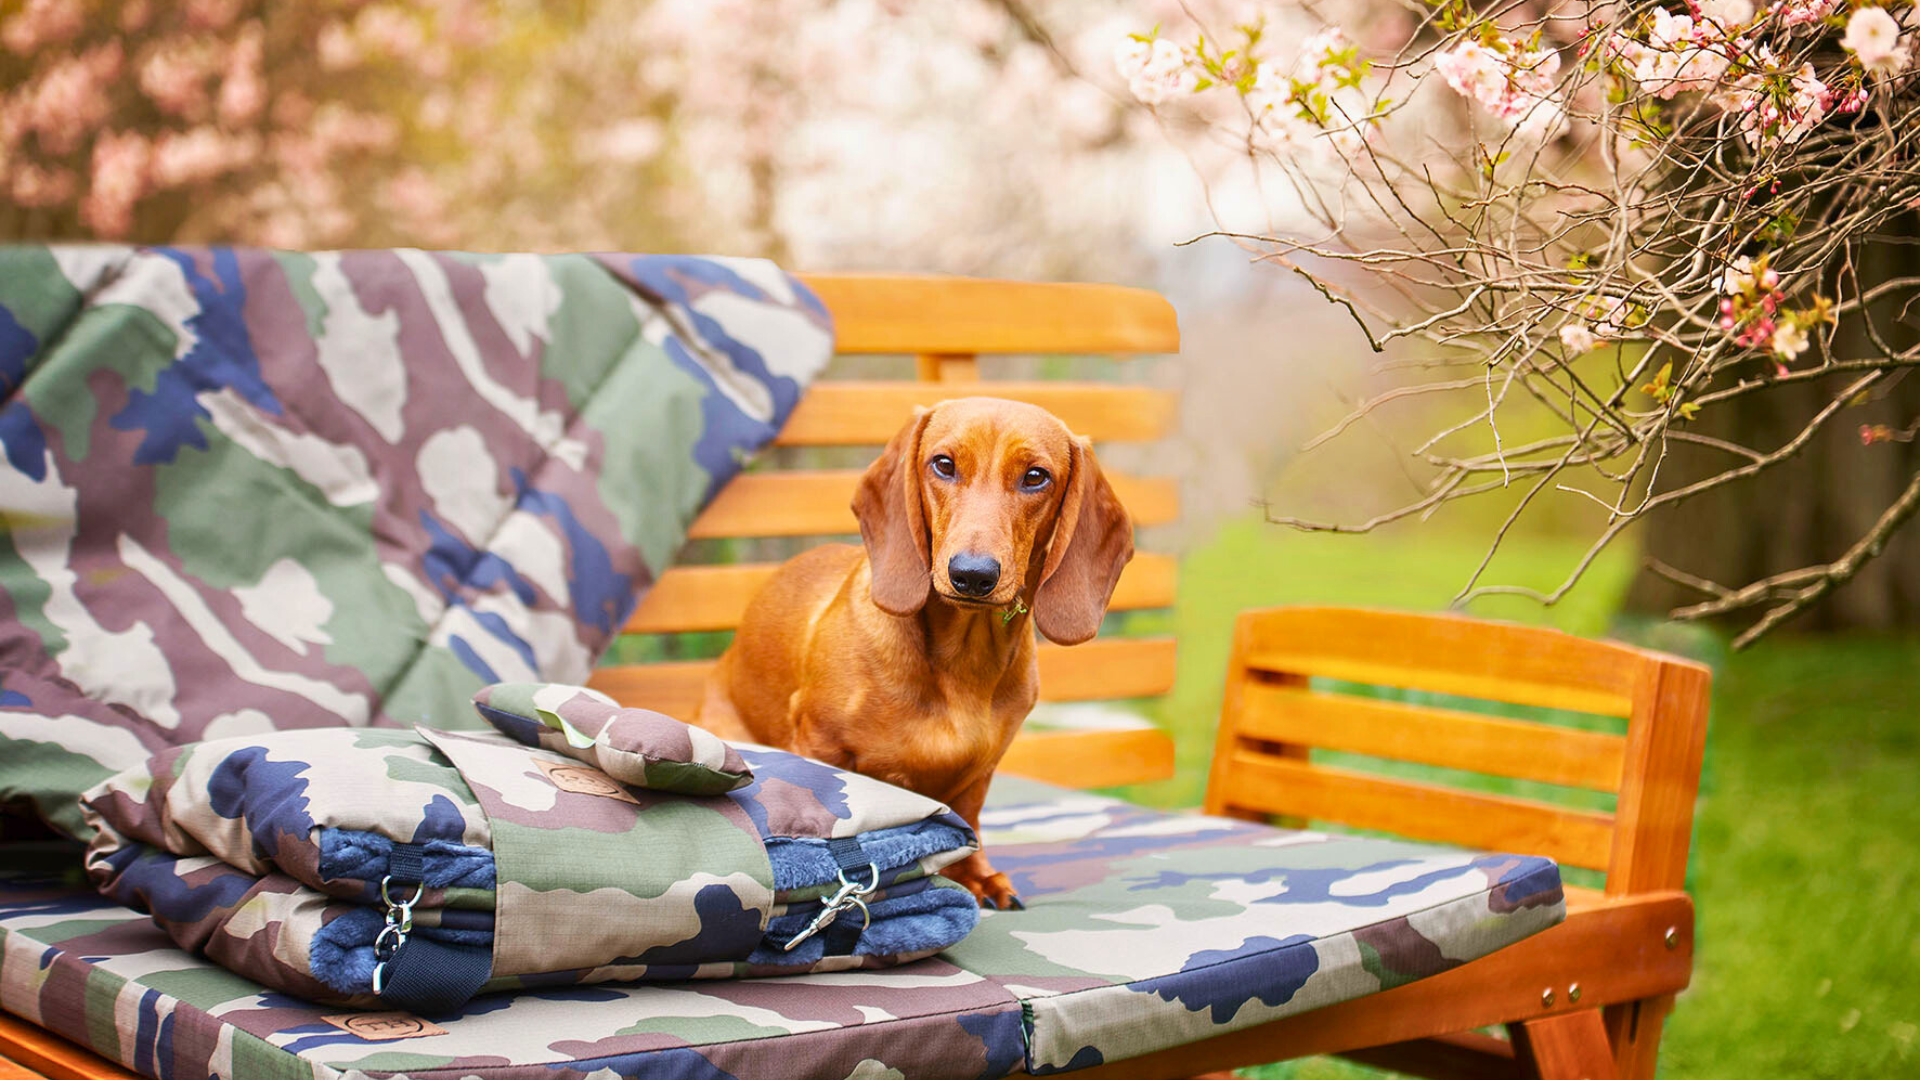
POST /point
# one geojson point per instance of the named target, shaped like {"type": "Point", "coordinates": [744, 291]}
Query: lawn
{"type": "Point", "coordinates": [1804, 866]}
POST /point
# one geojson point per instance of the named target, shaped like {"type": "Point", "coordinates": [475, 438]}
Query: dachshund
{"type": "Point", "coordinates": [911, 658]}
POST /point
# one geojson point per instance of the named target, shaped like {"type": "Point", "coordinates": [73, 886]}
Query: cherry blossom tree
{"type": "Point", "coordinates": [825, 133]}
{"type": "Point", "coordinates": [1646, 221]}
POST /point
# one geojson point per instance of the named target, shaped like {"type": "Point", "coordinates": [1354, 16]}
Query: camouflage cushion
{"type": "Point", "coordinates": [1144, 930]}
{"type": "Point", "coordinates": [271, 854]}
{"type": "Point", "coordinates": [247, 490]}
{"type": "Point", "coordinates": [634, 746]}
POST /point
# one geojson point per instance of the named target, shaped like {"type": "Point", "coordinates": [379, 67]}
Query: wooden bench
{"type": "Point", "coordinates": [1584, 999]}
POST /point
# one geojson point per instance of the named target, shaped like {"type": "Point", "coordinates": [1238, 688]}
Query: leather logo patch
{"type": "Point", "coordinates": [585, 780]}
{"type": "Point", "coordinates": [384, 1026]}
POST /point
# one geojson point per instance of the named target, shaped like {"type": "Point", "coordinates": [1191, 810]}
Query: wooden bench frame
{"type": "Point", "coordinates": [1584, 999]}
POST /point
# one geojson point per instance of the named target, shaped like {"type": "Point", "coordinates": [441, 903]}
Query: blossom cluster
{"type": "Point", "coordinates": [1510, 78]}
{"type": "Point", "coordinates": [1727, 50]}
{"type": "Point", "coordinates": [1156, 69]}
{"type": "Point", "coordinates": [1308, 101]}
{"type": "Point", "coordinates": [113, 106]}
{"type": "Point", "coordinates": [1752, 311]}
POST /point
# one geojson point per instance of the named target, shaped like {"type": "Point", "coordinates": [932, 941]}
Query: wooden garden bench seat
{"type": "Point", "coordinates": [1585, 998]}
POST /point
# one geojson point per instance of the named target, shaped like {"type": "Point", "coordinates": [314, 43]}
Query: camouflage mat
{"type": "Point", "coordinates": [249, 490]}
{"type": "Point", "coordinates": [384, 869]}
{"type": "Point", "coordinates": [1145, 930]}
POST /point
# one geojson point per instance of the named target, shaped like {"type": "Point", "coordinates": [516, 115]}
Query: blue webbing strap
{"type": "Point", "coordinates": [844, 934]}
{"type": "Point", "coordinates": [425, 976]}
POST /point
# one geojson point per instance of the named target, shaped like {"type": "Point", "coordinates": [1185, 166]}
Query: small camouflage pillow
{"type": "Point", "coordinates": [634, 746]}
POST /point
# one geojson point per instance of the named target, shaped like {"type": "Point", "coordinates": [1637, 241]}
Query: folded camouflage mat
{"type": "Point", "coordinates": [1143, 930]}
{"type": "Point", "coordinates": [413, 869]}
{"type": "Point", "coordinates": [248, 490]}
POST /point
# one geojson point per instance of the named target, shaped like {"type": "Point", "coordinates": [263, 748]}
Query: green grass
{"type": "Point", "coordinates": [1806, 864]}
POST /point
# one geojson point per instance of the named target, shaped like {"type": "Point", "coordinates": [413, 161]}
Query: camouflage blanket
{"type": "Point", "coordinates": [249, 490]}
{"type": "Point", "coordinates": [1143, 930]}
{"type": "Point", "coordinates": [412, 869]}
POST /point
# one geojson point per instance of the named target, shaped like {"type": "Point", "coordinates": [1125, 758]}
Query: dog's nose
{"type": "Point", "coordinates": [973, 575]}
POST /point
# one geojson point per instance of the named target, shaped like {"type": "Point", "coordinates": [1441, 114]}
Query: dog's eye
{"type": "Point", "coordinates": [942, 466]}
{"type": "Point", "coordinates": [1035, 479]}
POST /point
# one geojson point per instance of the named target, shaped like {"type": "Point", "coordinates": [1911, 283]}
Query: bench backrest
{"type": "Point", "coordinates": [1289, 692]}
{"type": "Point", "coordinates": [940, 326]}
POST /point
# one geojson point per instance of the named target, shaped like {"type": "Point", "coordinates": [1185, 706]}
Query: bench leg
{"type": "Point", "coordinates": [1634, 1030]}
{"type": "Point", "coordinates": [1569, 1046]}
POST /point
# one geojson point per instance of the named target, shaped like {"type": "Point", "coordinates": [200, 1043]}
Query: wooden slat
{"type": "Point", "coordinates": [819, 503]}
{"type": "Point", "coordinates": [1089, 758]}
{"type": "Point", "coordinates": [1525, 665]}
{"type": "Point", "coordinates": [1456, 740]}
{"type": "Point", "coordinates": [1566, 1046]}
{"type": "Point", "coordinates": [714, 597]}
{"type": "Point", "coordinates": [1615, 953]}
{"type": "Point", "coordinates": [51, 1056]}
{"type": "Point", "coordinates": [1424, 811]}
{"type": "Point", "coordinates": [1666, 740]}
{"type": "Point", "coordinates": [902, 313]}
{"type": "Point", "coordinates": [868, 413]}
{"type": "Point", "coordinates": [948, 367]}
{"type": "Point", "coordinates": [1112, 668]}
{"type": "Point", "coordinates": [11, 1070]}
{"type": "Point", "coordinates": [1465, 1055]}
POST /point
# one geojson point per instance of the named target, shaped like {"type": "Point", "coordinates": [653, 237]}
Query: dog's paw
{"type": "Point", "coordinates": [989, 886]}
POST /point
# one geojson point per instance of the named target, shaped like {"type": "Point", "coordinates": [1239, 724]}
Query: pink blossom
{"type": "Point", "coordinates": [1804, 12]}
{"type": "Point", "coordinates": [1155, 70]}
{"type": "Point", "coordinates": [211, 14]}
{"type": "Point", "coordinates": [243, 89]}
{"type": "Point", "coordinates": [42, 23]}
{"type": "Point", "coordinates": [1874, 39]}
{"type": "Point", "coordinates": [175, 76]}
{"type": "Point", "coordinates": [1680, 55]}
{"type": "Point", "coordinates": [36, 186]}
{"type": "Point", "coordinates": [338, 127]}
{"type": "Point", "coordinates": [181, 158]}
{"type": "Point", "coordinates": [120, 161]}
{"type": "Point", "coordinates": [415, 201]}
{"type": "Point", "coordinates": [337, 48]}
{"type": "Point", "coordinates": [134, 15]}
{"type": "Point", "coordinates": [71, 99]}
{"type": "Point", "coordinates": [1513, 83]}
{"type": "Point", "coordinates": [1577, 337]}
{"type": "Point", "coordinates": [1729, 14]}
{"type": "Point", "coordinates": [1789, 340]}
{"type": "Point", "coordinates": [390, 30]}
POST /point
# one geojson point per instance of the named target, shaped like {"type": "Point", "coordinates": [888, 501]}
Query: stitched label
{"type": "Point", "coordinates": [584, 780]}
{"type": "Point", "coordinates": [384, 1026]}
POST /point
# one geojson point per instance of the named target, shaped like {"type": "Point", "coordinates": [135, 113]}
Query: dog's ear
{"type": "Point", "coordinates": [1092, 541]}
{"type": "Point", "coordinates": [893, 524]}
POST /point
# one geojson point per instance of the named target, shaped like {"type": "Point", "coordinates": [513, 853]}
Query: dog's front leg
{"type": "Point", "coordinates": [991, 887]}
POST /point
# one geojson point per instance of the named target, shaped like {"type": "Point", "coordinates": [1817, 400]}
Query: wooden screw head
{"type": "Point", "coordinates": [1573, 993]}
{"type": "Point", "coordinates": [1673, 937]}
{"type": "Point", "coordinates": [1546, 998]}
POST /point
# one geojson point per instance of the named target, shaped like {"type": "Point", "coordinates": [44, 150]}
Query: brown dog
{"type": "Point", "coordinates": [912, 660]}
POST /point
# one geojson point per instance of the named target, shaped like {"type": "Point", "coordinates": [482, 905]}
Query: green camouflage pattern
{"type": "Point", "coordinates": [267, 854]}
{"type": "Point", "coordinates": [634, 746]}
{"type": "Point", "coordinates": [249, 490]}
{"type": "Point", "coordinates": [1144, 930]}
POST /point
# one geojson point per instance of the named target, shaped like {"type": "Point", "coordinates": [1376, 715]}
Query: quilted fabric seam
{"type": "Point", "coordinates": [573, 423]}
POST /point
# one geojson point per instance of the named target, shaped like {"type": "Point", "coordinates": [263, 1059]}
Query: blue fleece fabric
{"type": "Point", "coordinates": [913, 917]}
{"type": "Point", "coordinates": [802, 862]}
{"type": "Point", "coordinates": [918, 916]}
{"type": "Point", "coordinates": [352, 854]}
